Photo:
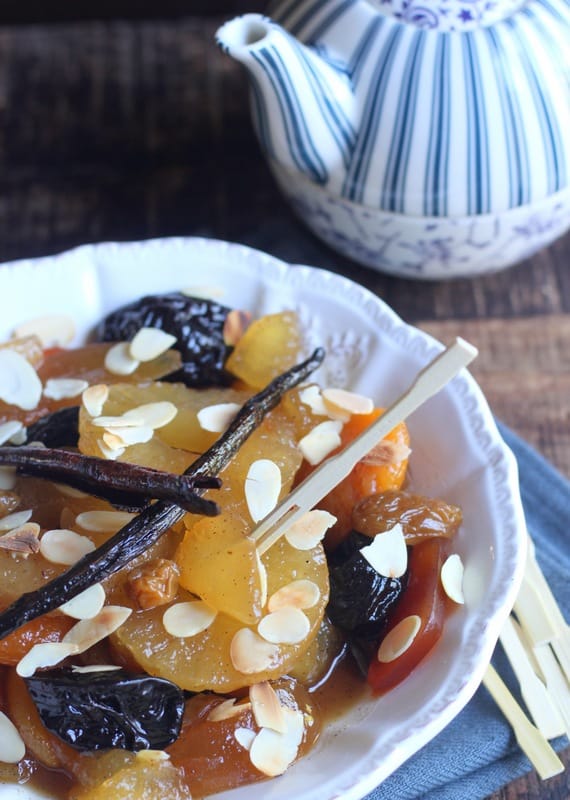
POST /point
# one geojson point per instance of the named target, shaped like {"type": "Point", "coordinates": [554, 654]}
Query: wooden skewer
{"type": "Point", "coordinates": [530, 739]}
{"type": "Point", "coordinates": [332, 471]}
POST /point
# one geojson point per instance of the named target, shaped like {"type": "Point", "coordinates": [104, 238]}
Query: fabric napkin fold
{"type": "Point", "coordinates": [477, 753]}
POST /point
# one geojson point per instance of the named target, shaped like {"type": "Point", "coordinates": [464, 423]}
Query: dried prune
{"type": "Point", "coordinates": [100, 710]}
{"type": "Point", "coordinates": [198, 325]}
{"type": "Point", "coordinates": [59, 429]}
{"type": "Point", "coordinates": [360, 598]}
{"type": "Point", "coordinates": [421, 517]}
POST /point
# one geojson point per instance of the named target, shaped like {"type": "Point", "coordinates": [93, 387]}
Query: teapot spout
{"type": "Point", "coordinates": [303, 108]}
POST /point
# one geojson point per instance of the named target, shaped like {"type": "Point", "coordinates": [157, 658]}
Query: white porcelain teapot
{"type": "Point", "coordinates": [426, 138]}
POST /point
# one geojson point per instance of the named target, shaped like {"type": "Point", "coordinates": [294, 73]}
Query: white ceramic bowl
{"type": "Point", "coordinates": [457, 454]}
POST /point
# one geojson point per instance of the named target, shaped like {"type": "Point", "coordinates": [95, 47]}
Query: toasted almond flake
{"type": "Point", "coordinates": [10, 429]}
{"type": "Point", "coordinates": [309, 529]}
{"type": "Point", "coordinates": [119, 361]}
{"type": "Point", "coordinates": [386, 453]}
{"type": "Point", "coordinates": [45, 654]}
{"type": "Point", "coordinates": [15, 519]}
{"type": "Point", "coordinates": [13, 747]}
{"type": "Point", "coordinates": [188, 619]}
{"type": "Point", "coordinates": [110, 423]}
{"type": "Point", "coordinates": [70, 491]}
{"type": "Point", "coordinates": [452, 578]}
{"type": "Point", "coordinates": [94, 668]}
{"type": "Point", "coordinates": [94, 399]}
{"type": "Point", "coordinates": [218, 417]}
{"type": "Point", "coordinates": [62, 546]}
{"type": "Point", "coordinates": [8, 478]}
{"type": "Point", "coordinates": [53, 330]}
{"type": "Point", "coordinates": [88, 632]}
{"type": "Point", "coordinates": [262, 578]}
{"type": "Point", "coordinates": [85, 605]}
{"type": "Point", "coordinates": [19, 382]}
{"type": "Point", "coordinates": [339, 401]}
{"type": "Point", "coordinates": [244, 737]}
{"type": "Point", "coordinates": [62, 388]}
{"type": "Point", "coordinates": [262, 488]}
{"type": "Point", "coordinates": [235, 325]}
{"type": "Point", "coordinates": [23, 540]}
{"type": "Point", "coordinates": [111, 453]}
{"type": "Point", "coordinates": [285, 626]}
{"type": "Point", "coordinates": [311, 396]}
{"type": "Point", "coordinates": [249, 653]}
{"type": "Point", "coordinates": [21, 436]}
{"type": "Point", "coordinates": [153, 415]}
{"type": "Point", "coordinates": [113, 442]}
{"type": "Point", "coordinates": [103, 521]}
{"type": "Point", "coordinates": [228, 709]}
{"type": "Point", "coordinates": [129, 436]}
{"type": "Point", "coordinates": [152, 756]}
{"type": "Point", "coordinates": [399, 639]}
{"type": "Point", "coordinates": [388, 553]}
{"type": "Point", "coordinates": [272, 752]}
{"type": "Point", "coordinates": [149, 343]}
{"type": "Point", "coordinates": [297, 594]}
{"type": "Point", "coordinates": [267, 710]}
{"type": "Point", "coordinates": [321, 441]}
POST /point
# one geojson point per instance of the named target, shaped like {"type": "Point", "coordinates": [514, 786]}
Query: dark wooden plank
{"type": "Point", "coordinates": [135, 129]}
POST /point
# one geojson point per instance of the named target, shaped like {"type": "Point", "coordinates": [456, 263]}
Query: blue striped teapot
{"type": "Point", "coordinates": [424, 138]}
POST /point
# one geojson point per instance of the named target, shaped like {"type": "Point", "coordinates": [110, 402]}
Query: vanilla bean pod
{"type": "Point", "coordinates": [127, 485]}
{"type": "Point", "coordinates": [147, 527]}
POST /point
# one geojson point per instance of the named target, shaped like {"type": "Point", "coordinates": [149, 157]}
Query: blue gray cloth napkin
{"type": "Point", "coordinates": [477, 753]}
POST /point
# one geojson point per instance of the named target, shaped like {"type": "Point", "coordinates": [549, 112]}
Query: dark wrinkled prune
{"type": "Point", "coordinates": [360, 598]}
{"type": "Point", "coordinates": [59, 429]}
{"type": "Point", "coordinates": [100, 710]}
{"type": "Point", "coordinates": [198, 325]}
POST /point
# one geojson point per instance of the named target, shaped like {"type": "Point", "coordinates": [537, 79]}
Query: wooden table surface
{"type": "Point", "coordinates": [133, 129]}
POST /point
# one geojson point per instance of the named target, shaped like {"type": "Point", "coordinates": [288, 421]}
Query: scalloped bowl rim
{"type": "Point", "coordinates": [98, 274]}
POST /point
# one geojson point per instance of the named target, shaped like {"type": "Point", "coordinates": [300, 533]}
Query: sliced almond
{"type": "Point", "coordinates": [153, 415]}
{"type": "Point", "coordinates": [23, 540]}
{"type": "Point", "coordinates": [188, 619]}
{"type": "Point", "coordinates": [53, 330]}
{"type": "Point", "coordinates": [119, 361]}
{"type": "Point", "coordinates": [309, 529]}
{"type": "Point", "coordinates": [387, 453]}
{"type": "Point", "coordinates": [13, 747]}
{"type": "Point", "coordinates": [227, 709]}
{"type": "Point", "coordinates": [340, 402]}
{"type": "Point", "coordinates": [149, 343]}
{"type": "Point", "coordinates": [285, 626]}
{"type": "Point", "coordinates": [262, 488]}
{"type": "Point", "coordinates": [311, 396]}
{"type": "Point", "coordinates": [10, 429]}
{"type": "Point", "coordinates": [85, 605]}
{"type": "Point", "coordinates": [267, 710]}
{"type": "Point", "coordinates": [452, 578]}
{"type": "Point", "coordinates": [111, 453]}
{"type": "Point", "coordinates": [399, 639]}
{"type": "Point", "coordinates": [112, 422]}
{"type": "Point", "coordinates": [62, 388]}
{"type": "Point", "coordinates": [297, 594]}
{"type": "Point", "coordinates": [126, 437]}
{"type": "Point", "coordinates": [70, 491]}
{"type": "Point", "coordinates": [262, 578]}
{"type": "Point", "coordinates": [388, 553]}
{"type": "Point", "coordinates": [45, 654]}
{"type": "Point", "coordinates": [63, 546]}
{"type": "Point", "coordinates": [272, 752]}
{"type": "Point", "coordinates": [235, 325]}
{"type": "Point", "coordinates": [218, 417]}
{"type": "Point", "coordinates": [88, 632]}
{"type": "Point", "coordinates": [94, 399]}
{"type": "Point", "coordinates": [85, 670]}
{"type": "Point", "coordinates": [103, 521]}
{"type": "Point", "coordinates": [19, 382]}
{"type": "Point", "coordinates": [8, 478]}
{"type": "Point", "coordinates": [244, 737]}
{"type": "Point", "coordinates": [249, 653]}
{"type": "Point", "coordinates": [15, 519]}
{"type": "Point", "coordinates": [152, 756]}
{"type": "Point", "coordinates": [321, 441]}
